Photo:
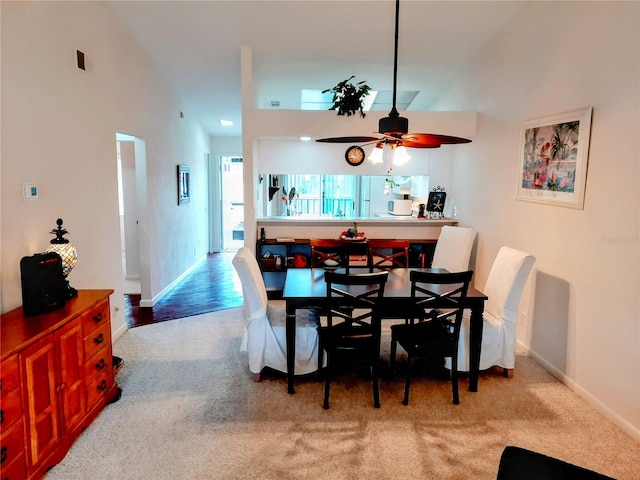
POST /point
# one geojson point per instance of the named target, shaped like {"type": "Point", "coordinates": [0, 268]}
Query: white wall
{"type": "Point", "coordinates": [226, 145]}
{"type": "Point", "coordinates": [58, 131]}
{"type": "Point", "coordinates": [583, 321]}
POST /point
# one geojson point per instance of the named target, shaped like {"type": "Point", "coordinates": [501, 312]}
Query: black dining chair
{"type": "Point", "coordinates": [436, 332]}
{"type": "Point", "coordinates": [352, 329]}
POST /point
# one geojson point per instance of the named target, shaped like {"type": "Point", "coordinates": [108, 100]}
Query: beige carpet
{"type": "Point", "coordinates": [189, 410]}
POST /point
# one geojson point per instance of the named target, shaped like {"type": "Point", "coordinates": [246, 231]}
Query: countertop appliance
{"type": "Point", "coordinates": [400, 207]}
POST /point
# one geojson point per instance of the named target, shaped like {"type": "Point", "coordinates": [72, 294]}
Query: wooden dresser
{"type": "Point", "coordinates": [56, 375]}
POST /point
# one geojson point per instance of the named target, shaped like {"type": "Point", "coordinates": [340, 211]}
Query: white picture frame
{"type": "Point", "coordinates": [553, 158]}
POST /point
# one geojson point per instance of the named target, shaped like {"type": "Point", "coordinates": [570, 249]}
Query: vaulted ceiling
{"type": "Point", "coordinates": [307, 44]}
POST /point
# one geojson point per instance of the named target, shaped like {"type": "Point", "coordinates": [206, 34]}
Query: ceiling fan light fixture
{"type": "Point", "coordinates": [400, 155]}
{"type": "Point", "coordinates": [376, 154]}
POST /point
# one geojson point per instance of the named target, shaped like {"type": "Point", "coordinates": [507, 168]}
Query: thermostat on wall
{"type": "Point", "coordinates": [30, 191]}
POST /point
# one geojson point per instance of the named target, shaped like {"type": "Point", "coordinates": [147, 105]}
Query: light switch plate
{"type": "Point", "coordinates": [30, 191]}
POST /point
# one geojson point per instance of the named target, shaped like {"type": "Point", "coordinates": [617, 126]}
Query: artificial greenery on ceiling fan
{"type": "Point", "coordinates": [348, 99]}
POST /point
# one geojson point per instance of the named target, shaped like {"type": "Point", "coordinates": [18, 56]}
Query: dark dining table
{"type": "Point", "coordinates": [305, 288]}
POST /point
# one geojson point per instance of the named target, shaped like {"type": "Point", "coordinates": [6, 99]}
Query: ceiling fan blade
{"type": "Point", "coordinates": [427, 141]}
{"type": "Point", "coordinates": [432, 140]}
{"type": "Point", "coordinates": [410, 144]}
{"type": "Point", "coordinates": [348, 139]}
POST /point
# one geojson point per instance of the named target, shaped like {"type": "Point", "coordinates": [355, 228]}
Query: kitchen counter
{"type": "Point", "coordinates": [385, 226]}
{"type": "Point", "coordinates": [331, 220]}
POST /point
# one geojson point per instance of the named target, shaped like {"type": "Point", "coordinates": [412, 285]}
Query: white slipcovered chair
{"type": "Point", "coordinates": [504, 287]}
{"type": "Point", "coordinates": [453, 248]}
{"type": "Point", "coordinates": [264, 337]}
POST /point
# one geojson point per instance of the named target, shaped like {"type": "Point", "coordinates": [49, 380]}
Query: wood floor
{"type": "Point", "coordinates": [211, 286]}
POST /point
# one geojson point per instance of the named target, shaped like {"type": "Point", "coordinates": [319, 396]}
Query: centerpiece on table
{"type": "Point", "coordinates": [353, 234]}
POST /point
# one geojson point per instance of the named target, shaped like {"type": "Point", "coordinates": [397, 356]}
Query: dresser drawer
{"type": "Point", "coordinates": [9, 379]}
{"type": "Point", "coordinates": [95, 318]}
{"type": "Point", "coordinates": [10, 409]}
{"type": "Point", "coordinates": [96, 340]}
{"type": "Point", "coordinates": [15, 470]}
{"type": "Point", "coordinates": [97, 389]}
{"type": "Point", "coordinates": [97, 365]}
{"type": "Point", "coordinates": [10, 402]}
{"type": "Point", "coordinates": [12, 446]}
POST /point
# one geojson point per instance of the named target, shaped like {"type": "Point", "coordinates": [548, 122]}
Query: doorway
{"type": "Point", "coordinates": [232, 204]}
{"type": "Point", "coordinates": [131, 168]}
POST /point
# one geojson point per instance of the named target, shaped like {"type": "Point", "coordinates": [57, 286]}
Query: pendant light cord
{"type": "Point", "coordinates": [395, 61]}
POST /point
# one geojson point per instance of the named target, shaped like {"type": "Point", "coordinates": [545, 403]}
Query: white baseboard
{"type": "Point", "coordinates": [630, 429]}
{"type": "Point", "coordinates": [145, 302]}
{"type": "Point", "coordinates": [119, 332]}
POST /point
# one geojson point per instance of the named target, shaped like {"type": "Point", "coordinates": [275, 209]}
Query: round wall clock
{"type": "Point", "coordinates": [354, 156]}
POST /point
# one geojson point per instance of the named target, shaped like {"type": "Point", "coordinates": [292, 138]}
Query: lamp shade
{"type": "Point", "coordinates": [63, 247]}
{"type": "Point", "coordinates": [376, 154]}
{"type": "Point", "coordinates": [68, 254]}
{"type": "Point", "coordinates": [400, 156]}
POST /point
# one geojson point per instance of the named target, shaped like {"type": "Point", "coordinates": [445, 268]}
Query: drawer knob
{"type": "Point", "coordinates": [102, 386]}
{"type": "Point", "coordinates": [99, 339]}
{"type": "Point", "coordinates": [101, 364]}
{"type": "Point", "coordinates": [97, 318]}
{"type": "Point", "coordinates": [1, 417]}
{"type": "Point", "coordinates": [3, 454]}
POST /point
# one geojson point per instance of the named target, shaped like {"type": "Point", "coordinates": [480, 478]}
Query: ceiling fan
{"type": "Point", "coordinates": [393, 130]}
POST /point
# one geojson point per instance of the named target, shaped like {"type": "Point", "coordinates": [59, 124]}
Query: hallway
{"type": "Point", "coordinates": [213, 285]}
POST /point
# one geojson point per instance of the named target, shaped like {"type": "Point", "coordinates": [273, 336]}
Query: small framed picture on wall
{"type": "Point", "coordinates": [184, 192]}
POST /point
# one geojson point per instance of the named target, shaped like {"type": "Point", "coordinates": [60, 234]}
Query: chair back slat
{"type": "Point", "coordinates": [328, 252]}
{"type": "Point", "coordinates": [354, 291]}
{"type": "Point", "coordinates": [387, 253]}
{"type": "Point", "coordinates": [447, 290]}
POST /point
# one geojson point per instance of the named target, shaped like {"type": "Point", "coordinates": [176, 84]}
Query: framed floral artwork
{"type": "Point", "coordinates": [184, 195]}
{"type": "Point", "coordinates": [554, 151]}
